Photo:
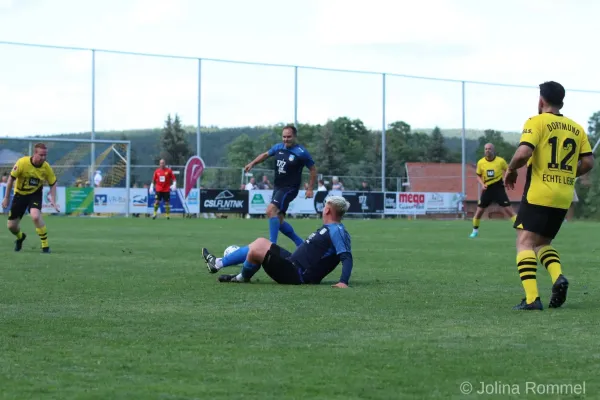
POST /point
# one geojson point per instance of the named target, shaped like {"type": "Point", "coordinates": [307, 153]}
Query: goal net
{"type": "Point", "coordinates": [93, 176]}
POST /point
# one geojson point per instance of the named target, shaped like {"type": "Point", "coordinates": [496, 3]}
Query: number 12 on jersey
{"type": "Point", "coordinates": [568, 144]}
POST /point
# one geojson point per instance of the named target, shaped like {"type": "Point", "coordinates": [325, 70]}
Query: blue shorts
{"type": "Point", "coordinates": [282, 197]}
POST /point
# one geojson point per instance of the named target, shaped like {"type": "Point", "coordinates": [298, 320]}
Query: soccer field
{"type": "Point", "coordinates": [125, 309]}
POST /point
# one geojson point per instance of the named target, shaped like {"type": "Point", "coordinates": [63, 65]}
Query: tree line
{"type": "Point", "coordinates": [342, 146]}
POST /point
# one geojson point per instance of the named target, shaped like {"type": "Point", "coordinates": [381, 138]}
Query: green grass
{"type": "Point", "coordinates": [125, 309]}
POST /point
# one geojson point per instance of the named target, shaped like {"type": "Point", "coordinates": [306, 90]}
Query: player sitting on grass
{"type": "Point", "coordinates": [313, 260]}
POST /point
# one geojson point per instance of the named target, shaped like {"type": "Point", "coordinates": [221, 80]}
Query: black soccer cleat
{"type": "Point", "coordinates": [46, 250]}
{"type": "Point", "coordinates": [559, 292]}
{"type": "Point", "coordinates": [536, 305]}
{"type": "Point", "coordinates": [210, 261]}
{"type": "Point", "coordinates": [231, 278]}
{"type": "Point", "coordinates": [19, 242]}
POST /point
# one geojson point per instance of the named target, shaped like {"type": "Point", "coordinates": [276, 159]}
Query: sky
{"type": "Point", "coordinates": [45, 91]}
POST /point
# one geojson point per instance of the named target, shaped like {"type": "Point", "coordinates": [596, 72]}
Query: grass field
{"type": "Point", "coordinates": [125, 309]}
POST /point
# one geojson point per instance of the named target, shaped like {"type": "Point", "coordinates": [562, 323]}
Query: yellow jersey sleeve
{"type": "Point", "coordinates": [479, 170]}
{"type": "Point", "coordinates": [17, 169]}
{"type": "Point", "coordinates": [532, 132]}
{"type": "Point", "coordinates": [50, 177]}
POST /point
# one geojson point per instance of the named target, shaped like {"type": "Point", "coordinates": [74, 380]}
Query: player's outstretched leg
{"type": "Point", "coordinates": [257, 251]}
{"type": "Point", "coordinates": [214, 264]}
{"type": "Point", "coordinates": [550, 259]}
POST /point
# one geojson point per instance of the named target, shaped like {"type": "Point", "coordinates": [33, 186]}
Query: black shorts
{"type": "Point", "coordinates": [23, 202]}
{"type": "Point", "coordinates": [163, 196]}
{"type": "Point", "coordinates": [279, 267]}
{"type": "Point", "coordinates": [282, 197]}
{"type": "Point", "coordinates": [495, 193]}
{"type": "Point", "coordinates": [545, 221]}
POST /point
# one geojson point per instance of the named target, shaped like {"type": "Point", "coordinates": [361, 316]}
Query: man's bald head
{"type": "Point", "coordinates": [490, 151]}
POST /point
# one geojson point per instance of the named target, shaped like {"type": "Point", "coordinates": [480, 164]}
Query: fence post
{"type": "Point", "coordinates": [463, 151]}
{"type": "Point", "coordinates": [383, 127]}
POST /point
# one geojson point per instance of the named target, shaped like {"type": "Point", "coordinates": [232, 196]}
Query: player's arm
{"type": "Point", "coordinates": [478, 174]}
{"type": "Point", "coordinates": [312, 168]}
{"type": "Point", "coordinates": [586, 156]}
{"type": "Point", "coordinates": [341, 242]}
{"type": "Point", "coordinates": [14, 174]}
{"type": "Point", "coordinates": [51, 178]}
{"type": "Point", "coordinates": [9, 185]}
{"type": "Point", "coordinates": [530, 138]}
{"type": "Point", "coordinates": [173, 180]}
{"type": "Point", "coordinates": [262, 157]}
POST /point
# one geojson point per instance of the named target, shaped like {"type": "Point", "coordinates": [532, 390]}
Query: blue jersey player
{"type": "Point", "coordinates": [290, 159]}
{"type": "Point", "coordinates": [312, 260]}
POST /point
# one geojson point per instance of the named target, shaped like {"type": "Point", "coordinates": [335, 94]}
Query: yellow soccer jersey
{"type": "Point", "coordinates": [491, 171]}
{"type": "Point", "coordinates": [557, 142]}
{"type": "Point", "coordinates": [30, 178]}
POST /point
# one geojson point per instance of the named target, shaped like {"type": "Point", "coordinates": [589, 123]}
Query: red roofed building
{"type": "Point", "coordinates": [442, 177]}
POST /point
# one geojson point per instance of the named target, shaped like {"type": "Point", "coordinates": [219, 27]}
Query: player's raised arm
{"type": "Point", "coordinates": [262, 157]}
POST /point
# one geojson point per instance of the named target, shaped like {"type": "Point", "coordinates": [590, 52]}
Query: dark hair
{"type": "Point", "coordinates": [553, 93]}
{"type": "Point", "coordinates": [292, 128]}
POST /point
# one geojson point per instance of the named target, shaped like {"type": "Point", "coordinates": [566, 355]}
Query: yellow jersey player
{"type": "Point", "coordinates": [556, 150]}
{"type": "Point", "coordinates": [490, 175]}
{"type": "Point", "coordinates": [28, 177]}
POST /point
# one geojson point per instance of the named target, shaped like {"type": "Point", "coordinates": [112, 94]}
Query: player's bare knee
{"type": "Point", "coordinates": [272, 211]}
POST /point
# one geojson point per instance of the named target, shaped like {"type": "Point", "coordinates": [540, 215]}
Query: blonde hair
{"type": "Point", "coordinates": [339, 204]}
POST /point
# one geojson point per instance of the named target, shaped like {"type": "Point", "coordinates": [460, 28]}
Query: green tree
{"type": "Point", "coordinates": [594, 128]}
{"type": "Point", "coordinates": [174, 148]}
{"type": "Point", "coordinates": [438, 152]}
{"type": "Point", "coordinates": [241, 151]}
{"type": "Point", "coordinates": [503, 148]}
{"type": "Point", "coordinates": [327, 155]}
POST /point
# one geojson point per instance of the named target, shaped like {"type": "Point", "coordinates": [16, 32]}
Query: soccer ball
{"type": "Point", "coordinates": [230, 250]}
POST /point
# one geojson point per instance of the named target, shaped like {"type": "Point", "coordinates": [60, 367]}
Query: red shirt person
{"type": "Point", "coordinates": [162, 181]}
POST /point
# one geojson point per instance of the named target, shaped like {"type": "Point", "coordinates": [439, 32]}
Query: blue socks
{"type": "Point", "coordinates": [273, 229]}
{"type": "Point", "coordinates": [249, 269]}
{"type": "Point", "coordinates": [288, 231]}
{"type": "Point", "coordinates": [237, 257]}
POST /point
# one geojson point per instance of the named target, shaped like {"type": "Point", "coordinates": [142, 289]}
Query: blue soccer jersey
{"type": "Point", "coordinates": [289, 163]}
{"type": "Point", "coordinates": [322, 251]}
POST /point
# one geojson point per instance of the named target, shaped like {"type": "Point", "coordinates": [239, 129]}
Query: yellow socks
{"type": "Point", "coordinates": [168, 209]}
{"type": "Point", "coordinates": [19, 235]}
{"type": "Point", "coordinates": [43, 234]}
{"type": "Point", "coordinates": [155, 208]}
{"type": "Point", "coordinates": [527, 267]}
{"type": "Point", "coordinates": [549, 258]}
{"type": "Point", "coordinates": [513, 218]}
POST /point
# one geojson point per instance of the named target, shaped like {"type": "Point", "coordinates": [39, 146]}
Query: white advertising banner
{"type": "Point", "coordinates": [421, 203]}
{"type": "Point", "coordinates": [110, 200]}
{"type": "Point", "coordinates": [258, 200]}
{"type": "Point", "coordinates": [60, 201]}
{"type": "Point", "coordinates": [138, 201]}
{"type": "Point", "coordinates": [442, 203]}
